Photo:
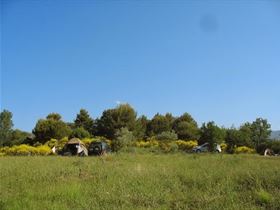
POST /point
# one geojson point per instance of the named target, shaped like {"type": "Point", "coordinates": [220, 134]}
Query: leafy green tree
{"type": "Point", "coordinates": [106, 124]}
{"type": "Point", "coordinates": [232, 139]}
{"type": "Point", "coordinates": [140, 130]}
{"type": "Point", "coordinates": [84, 120]}
{"type": "Point", "coordinates": [51, 128]}
{"type": "Point", "coordinates": [124, 138]}
{"type": "Point", "coordinates": [246, 135]}
{"type": "Point", "coordinates": [239, 137]}
{"type": "Point", "coordinates": [186, 127]}
{"type": "Point", "coordinates": [212, 134]}
{"type": "Point", "coordinates": [18, 137]}
{"type": "Point", "coordinates": [125, 116]}
{"type": "Point", "coordinates": [115, 119]}
{"type": "Point", "coordinates": [6, 125]}
{"type": "Point", "coordinates": [159, 124]}
{"type": "Point", "coordinates": [54, 116]}
{"type": "Point", "coordinates": [170, 118]}
{"type": "Point", "coordinates": [167, 136]}
{"type": "Point", "coordinates": [260, 131]}
{"type": "Point", "coordinates": [80, 133]}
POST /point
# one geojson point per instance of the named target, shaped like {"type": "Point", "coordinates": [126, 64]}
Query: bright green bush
{"type": "Point", "coordinates": [244, 149]}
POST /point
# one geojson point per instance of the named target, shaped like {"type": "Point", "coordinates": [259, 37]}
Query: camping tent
{"type": "Point", "coordinates": [75, 147]}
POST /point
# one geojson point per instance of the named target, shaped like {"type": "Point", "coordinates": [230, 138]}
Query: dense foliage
{"type": "Point", "coordinates": [51, 127]}
{"type": "Point", "coordinates": [121, 125]}
{"type": "Point", "coordinates": [6, 125]}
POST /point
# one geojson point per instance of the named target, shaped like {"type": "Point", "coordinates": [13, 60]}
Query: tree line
{"type": "Point", "coordinates": [113, 121]}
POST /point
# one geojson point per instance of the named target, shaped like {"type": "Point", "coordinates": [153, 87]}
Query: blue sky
{"type": "Point", "coordinates": [217, 60]}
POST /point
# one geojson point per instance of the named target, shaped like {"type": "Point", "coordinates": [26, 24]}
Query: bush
{"type": "Point", "coordinates": [43, 150]}
{"type": "Point", "coordinates": [186, 145]}
{"type": "Point", "coordinates": [244, 149]}
{"type": "Point", "coordinates": [169, 147]}
{"type": "Point", "coordinates": [147, 144]}
{"type": "Point", "coordinates": [52, 143]}
{"type": "Point", "coordinates": [124, 139]}
{"type": "Point", "coordinates": [3, 150]}
{"type": "Point", "coordinates": [275, 146]}
{"type": "Point", "coordinates": [167, 135]}
{"type": "Point", "coordinates": [224, 147]}
{"type": "Point", "coordinates": [87, 141]}
{"type": "Point", "coordinates": [26, 150]}
{"type": "Point", "coordinates": [22, 149]}
{"type": "Point", "coordinates": [80, 133]}
{"type": "Point", "coordinates": [61, 143]}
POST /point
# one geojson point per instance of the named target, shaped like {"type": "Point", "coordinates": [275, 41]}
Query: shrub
{"type": "Point", "coordinates": [275, 146]}
{"type": "Point", "coordinates": [167, 135]}
{"type": "Point", "coordinates": [87, 141]}
{"type": "Point", "coordinates": [186, 145]}
{"type": "Point", "coordinates": [147, 144]}
{"type": "Point", "coordinates": [80, 133]}
{"type": "Point", "coordinates": [124, 139]}
{"type": "Point", "coordinates": [168, 147]}
{"type": "Point", "coordinates": [244, 149]}
{"type": "Point", "coordinates": [3, 150]}
{"type": "Point", "coordinates": [26, 150]}
{"type": "Point", "coordinates": [43, 150]}
{"type": "Point", "coordinates": [52, 143]}
{"type": "Point", "coordinates": [223, 147]}
{"type": "Point", "coordinates": [61, 143]}
{"type": "Point", "coordinates": [22, 149]}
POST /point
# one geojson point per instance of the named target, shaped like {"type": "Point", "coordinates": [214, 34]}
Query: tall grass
{"type": "Point", "coordinates": [140, 181]}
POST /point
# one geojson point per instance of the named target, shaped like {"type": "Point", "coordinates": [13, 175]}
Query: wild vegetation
{"type": "Point", "coordinates": [124, 128]}
{"type": "Point", "coordinates": [151, 166]}
{"type": "Point", "coordinates": [140, 180]}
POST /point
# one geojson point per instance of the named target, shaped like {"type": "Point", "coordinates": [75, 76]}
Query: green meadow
{"type": "Point", "coordinates": [140, 181]}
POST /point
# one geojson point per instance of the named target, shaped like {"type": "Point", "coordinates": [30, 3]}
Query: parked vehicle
{"type": "Point", "coordinates": [206, 148]}
{"type": "Point", "coordinates": [98, 148]}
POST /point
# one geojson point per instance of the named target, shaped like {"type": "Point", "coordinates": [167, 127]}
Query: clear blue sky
{"type": "Point", "coordinates": [217, 60]}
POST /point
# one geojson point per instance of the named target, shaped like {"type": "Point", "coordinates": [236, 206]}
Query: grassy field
{"type": "Point", "coordinates": [141, 181]}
